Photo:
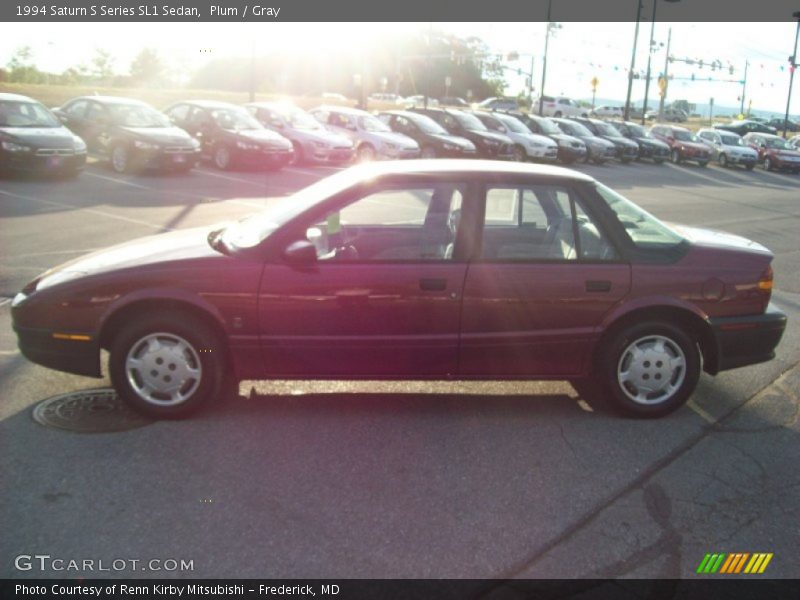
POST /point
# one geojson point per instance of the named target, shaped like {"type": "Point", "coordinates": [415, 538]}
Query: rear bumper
{"type": "Point", "coordinates": [78, 356]}
{"type": "Point", "coordinates": [749, 340]}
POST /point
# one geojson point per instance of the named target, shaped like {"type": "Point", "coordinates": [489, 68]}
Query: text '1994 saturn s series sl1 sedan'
{"type": "Point", "coordinates": [440, 269]}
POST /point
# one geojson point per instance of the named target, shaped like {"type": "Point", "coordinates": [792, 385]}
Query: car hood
{"type": "Point", "coordinates": [652, 142]}
{"type": "Point", "coordinates": [695, 145]}
{"type": "Point", "coordinates": [264, 136]}
{"type": "Point", "coordinates": [453, 139]}
{"type": "Point", "coordinates": [153, 250]}
{"type": "Point", "coordinates": [739, 150]}
{"type": "Point", "coordinates": [710, 238]}
{"type": "Point", "coordinates": [160, 135]}
{"type": "Point", "coordinates": [563, 137]}
{"type": "Point", "coordinates": [490, 135]}
{"type": "Point", "coordinates": [321, 135]}
{"type": "Point", "coordinates": [40, 137]}
{"type": "Point", "coordinates": [392, 137]}
{"type": "Point", "coordinates": [594, 139]}
{"type": "Point", "coordinates": [619, 140]}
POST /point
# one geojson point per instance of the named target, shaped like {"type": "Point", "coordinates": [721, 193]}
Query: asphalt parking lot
{"type": "Point", "coordinates": [399, 480]}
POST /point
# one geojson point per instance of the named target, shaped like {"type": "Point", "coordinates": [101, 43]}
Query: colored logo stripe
{"type": "Point", "coordinates": [735, 562]}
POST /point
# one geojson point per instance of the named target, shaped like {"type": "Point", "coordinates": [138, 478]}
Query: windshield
{"type": "Point", "coordinates": [428, 125]}
{"type": "Point", "coordinates": [251, 231]}
{"type": "Point", "coordinates": [643, 228]}
{"type": "Point", "coordinates": [684, 136]}
{"type": "Point", "coordinates": [234, 119]}
{"type": "Point", "coordinates": [137, 115]}
{"type": "Point", "coordinates": [514, 125]}
{"type": "Point", "coordinates": [732, 140]}
{"type": "Point", "coordinates": [778, 144]}
{"type": "Point", "coordinates": [469, 121]}
{"type": "Point", "coordinates": [26, 114]}
{"type": "Point", "coordinates": [607, 129]}
{"type": "Point", "coordinates": [637, 131]}
{"type": "Point", "coordinates": [547, 126]}
{"type": "Point", "coordinates": [573, 128]}
{"type": "Point", "coordinates": [370, 123]}
{"type": "Point", "coordinates": [300, 119]}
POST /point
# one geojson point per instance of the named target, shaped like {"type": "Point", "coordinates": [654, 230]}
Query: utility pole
{"type": "Point", "coordinates": [649, 57]}
{"type": "Point", "coordinates": [744, 86]}
{"type": "Point", "coordinates": [633, 60]}
{"type": "Point", "coordinates": [666, 78]}
{"type": "Point", "coordinates": [530, 84]}
{"type": "Point", "coordinates": [793, 61]}
{"type": "Point", "coordinates": [544, 58]}
{"type": "Point", "coordinates": [253, 70]}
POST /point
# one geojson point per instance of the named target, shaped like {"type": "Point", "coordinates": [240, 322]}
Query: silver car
{"type": "Point", "coordinates": [373, 138]}
{"type": "Point", "coordinates": [312, 142]}
{"type": "Point", "coordinates": [728, 148]}
{"type": "Point", "coordinates": [527, 145]}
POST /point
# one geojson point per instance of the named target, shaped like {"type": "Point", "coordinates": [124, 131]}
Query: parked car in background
{"type": "Point", "coordinates": [774, 152]}
{"type": "Point", "coordinates": [33, 140]}
{"type": "Point", "coordinates": [598, 149]}
{"type": "Point", "coordinates": [498, 104]}
{"type": "Point", "coordinates": [130, 134]}
{"type": "Point", "coordinates": [463, 124]}
{"type": "Point", "coordinates": [433, 139]}
{"type": "Point", "coordinates": [684, 145]}
{"type": "Point", "coordinates": [558, 106]}
{"type": "Point", "coordinates": [777, 124]}
{"type": "Point", "coordinates": [794, 142]}
{"type": "Point", "coordinates": [387, 98]}
{"type": "Point", "coordinates": [419, 101]}
{"type": "Point", "coordinates": [334, 97]}
{"type": "Point", "coordinates": [230, 136]}
{"type": "Point", "coordinates": [746, 126]}
{"type": "Point", "coordinates": [414, 270]}
{"type": "Point", "coordinates": [728, 148]}
{"type": "Point", "coordinates": [570, 148]}
{"type": "Point", "coordinates": [607, 111]}
{"type": "Point", "coordinates": [453, 101]}
{"type": "Point", "coordinates": [649, 147]}
{"type": "Point", "coordinates": [669, 115]}
{"type": "Point", "coordinates": [312, 142]}
{"type": "Point", "coordinates": [627, 150]}
{"type": "Point", "coordinates": [373, 139]}
{"type": "Point", "coordinates": [527, 145]}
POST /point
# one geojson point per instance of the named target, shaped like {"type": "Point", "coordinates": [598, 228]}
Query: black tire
{"type": "Point", "coordinates": [723, 161]}
{"type": "Point", "coordinates": [297, 158]}
{"type": "Point", "coordinates": [119, 159]}
{"type": "Point", "coordinates": [222, 157]}
{"type": "Point", "coordinates": [365, 153]}
{"type": "Point", "coordinates": [519, 154]}
{"type": "Point", "coordinates": [767, 163]}
{"type": "Point", "coordinates": [658, 161]}
{"type": "Point", "coordinates": [557, 114]}
{"type": "Point", "coordinates": [615, 356]}
{"type": "Point", "coordinates": [703, 163]}
{"type": "Point", "coordinates": [750, 167]}
{"type": "Point", "coordinates": [675, 157]}
{"type": "Point", "coordinates": [208, 357]}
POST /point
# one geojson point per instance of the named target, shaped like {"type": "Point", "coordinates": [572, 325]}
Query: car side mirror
{"type": "Point", "coordinates": [301, 252]}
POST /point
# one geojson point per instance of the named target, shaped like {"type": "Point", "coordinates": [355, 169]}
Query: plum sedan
{"type": "Point", "coordinates": [427, 269]}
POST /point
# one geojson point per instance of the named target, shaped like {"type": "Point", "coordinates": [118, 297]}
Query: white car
{"type": "Point", "coordinates": [527, 145]}
{"type": "Point", "coordinates": [419, 102]}
{"type": "Point", "coordinates": [617, 112]}
{"type": "Point", "coordinates": [558, 106]}
{"type": "Point", "coordinates": [728, 148]}
{"type": "Point", "coordinates": [372, 137]}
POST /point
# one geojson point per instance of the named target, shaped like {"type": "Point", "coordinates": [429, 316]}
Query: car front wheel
{"type": "Point", "coordinates": [768, 164]}
{"type": "Point", "coordinates": [166, 365]}
{"type": "Point", "coordinates": [120, 159]}
{"type": "Point", "coordinates": [222, 157]}
{"type": "Point", "coordinates": [723, 160]}
{"type": "Point", "coordinates": [650, 369]}
{"type": "Point", "coordinates": [675, 157]}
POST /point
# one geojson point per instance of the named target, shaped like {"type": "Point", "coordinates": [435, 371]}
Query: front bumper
{"type": "Point", "coordinates": [30, 162]}
{"type": "Point", "coordinates": [571, 154]}
{"type": "Point", "coordinates": [742, 341]}
{"type": "Point", "coordinates": [264, 158]}
{"type": "Point", "coordinates": [165, 161]}
{"type": "Point", "coordinates": [327, 156]}
{"type": "Point", "coordinates": [68, 352]}
{"type": "Point", "coordinates": [547, 153]}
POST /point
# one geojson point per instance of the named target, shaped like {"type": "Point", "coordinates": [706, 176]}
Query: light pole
{"type": "Point", "coordinates": [650, 56]}
{"type": "Point", "coordinates": [744, 86]}
{"type": "Point", "coordinates": [544, 58]}
{"type": "Point", "coordinates": [633, 60]}
{"type": "Point", "coordinates": [793, 60]}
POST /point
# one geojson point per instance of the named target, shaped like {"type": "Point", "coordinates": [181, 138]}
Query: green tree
{"type": "Point", "coordinates": [103, 65]}
{"type": "Point", "coordinates": [21, 68]}
{"type": "Point", "coordinates": [146, 67]}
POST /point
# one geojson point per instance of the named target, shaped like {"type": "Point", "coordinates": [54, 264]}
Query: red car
{"type": "Point", "coordinates": [774, 152]}
{"type": "Point", "coordinates": [429, 269]}
{"type": "Point", "coordinates": [683, 144]}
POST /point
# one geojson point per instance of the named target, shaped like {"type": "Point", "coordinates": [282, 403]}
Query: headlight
{"type": "Point", "coordinates": [18, 299]}
{"type": "Point", "coordinates": [80, 145]}
{"type": "Point", "coordinates": [145, 145]}
{"type": "Point", "coordinates": [491, 143]}
{"type": "Point", "coordinates": [14, 147]}
{"type": "Point", "coordinates": [194, 143]}
{"type": "Point", "coordinates": [449, 146]}
{"type": "Point", "coordinates": [535, 144]}
{"type": "Point", "coordinates": [390, 146]}
{"type": "Point", "coordinates": [246, 145]}
{"type": "Point", "coordinates": [319, 145]}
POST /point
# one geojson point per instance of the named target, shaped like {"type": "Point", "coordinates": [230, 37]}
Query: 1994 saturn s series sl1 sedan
{"type": "Point", "coordinates": [440, 269]}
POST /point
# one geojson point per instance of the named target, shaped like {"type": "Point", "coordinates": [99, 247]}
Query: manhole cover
{"type": "Point", "coordinates": [88, 411]}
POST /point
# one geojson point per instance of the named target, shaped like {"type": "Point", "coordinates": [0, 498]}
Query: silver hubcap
{"type": "Point", "coordinates": [119, 159]}
{"type": "Point", "coordinates": [767, 164]}
{"type": "Point", "coordinates": [222, 157]}
{"type": "Point", "coordinates": [675, 156]}
{"type": "Point", "coordinates": [366, 153]}
{"type": "Point", "coordinates": [163, 369]}
{"type": "Point", "coordinates": [651, 370]}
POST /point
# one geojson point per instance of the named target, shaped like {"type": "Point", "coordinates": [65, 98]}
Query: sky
{"type": "Point", "coordinates": [577, 52]}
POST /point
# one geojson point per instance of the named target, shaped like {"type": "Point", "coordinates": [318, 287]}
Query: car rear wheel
{"type": "Point", "coordinates": [768, 164]}
{"type": "Point", "coordinates": [428, 152]}
{"type": "Point", "coordinates": [365, 153]}
{"type": "Point", "coordinates": [703, 163]}
{"type": "Point", "coordinates": [222, 157]}
{"type": "Point", "coordinates": [557, 114]}
{"type": "Point", "coordinates": [658, 161]}
{"type": "Point", "coordinates": [297, 156]}
{"type": "Point", "coordinates": [166, 365]}
{"type": "Point", "coordinates": [723, 160]}
{"type": "Point", "coordinates": [675, 157]}
{"type": "Point", "coordinates": [650, 369]}
{"type": "Point", "coordinates": [750, 166]}
{"type": "Point", "coordinates": [120, 159]}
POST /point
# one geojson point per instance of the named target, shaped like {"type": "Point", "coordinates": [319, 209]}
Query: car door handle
{"type": "Point", "coordinates": [598, 286]}
{"type": "Point", "coordinates": [433, 285]}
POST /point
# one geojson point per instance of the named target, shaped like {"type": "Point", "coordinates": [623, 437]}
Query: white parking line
{"type": "Point", "coordinates": [89, 210]}
{"type": "Point", "coordinates": [260, 184]}
{"type": "Point", "coordinates": [315, 172]}
{"type": "Point", "coordinates": [120, 181]}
